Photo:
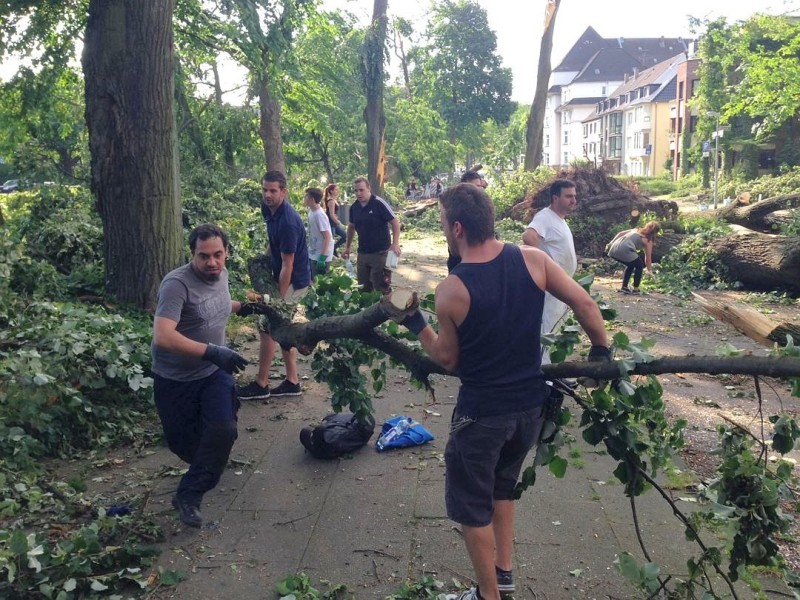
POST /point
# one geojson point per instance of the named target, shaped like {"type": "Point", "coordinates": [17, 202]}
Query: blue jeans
{"type": "Point", "coordinates": [199, 422]}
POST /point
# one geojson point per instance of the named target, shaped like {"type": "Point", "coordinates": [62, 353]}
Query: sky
{"type": "Point", "coordinates": [518, 24]}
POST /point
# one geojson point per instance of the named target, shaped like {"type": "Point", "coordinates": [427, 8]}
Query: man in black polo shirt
{"type": "Point", "coordinates": [370, 217]}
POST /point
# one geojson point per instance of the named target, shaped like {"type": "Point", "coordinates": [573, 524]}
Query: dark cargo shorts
{"type": "Point", "coordinates": [483, 460]}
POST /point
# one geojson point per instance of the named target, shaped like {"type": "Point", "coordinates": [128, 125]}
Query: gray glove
{"type": "Point", "coordinates": [226, 359]}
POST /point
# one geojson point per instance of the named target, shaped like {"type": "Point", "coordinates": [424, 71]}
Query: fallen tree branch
{"type": "Point", "coordinates": [363, 326]}
{"type": "Point", "coordinates": [711, 365]}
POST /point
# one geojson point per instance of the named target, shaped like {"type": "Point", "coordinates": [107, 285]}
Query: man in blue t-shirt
{"type": "Point", "coordinates": [370, 218]}
{"type": "Point", "coordinates": [292, 272]}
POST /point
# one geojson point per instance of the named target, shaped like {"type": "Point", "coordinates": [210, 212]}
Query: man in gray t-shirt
{"type": "Point", "coordinates": [193, 388]}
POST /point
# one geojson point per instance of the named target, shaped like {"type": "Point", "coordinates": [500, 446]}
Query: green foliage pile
{"type": "Point", "coordinates": [767, 186]}
{"type": "Point", "coordinates": [73, 378]}
{"type": "Point", "coordinates": [510, 188]}
{"type": "Point", "coordinates": [57, 238]}
{"type": "Point", "coordinates": [693, 264]}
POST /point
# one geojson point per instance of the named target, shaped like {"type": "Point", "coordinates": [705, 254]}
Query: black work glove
{"type": "Point", "coordinates": [415, 322]}
{"type": "Point", "coordinates": [226, 359]}
{"type": "Point", "coordinates": [252, 308]}
{"type": "Point", "coordinates": [599, 354]}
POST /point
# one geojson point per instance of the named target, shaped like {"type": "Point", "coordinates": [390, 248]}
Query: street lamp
{"type": "Point", "coordinates": [713, 113]}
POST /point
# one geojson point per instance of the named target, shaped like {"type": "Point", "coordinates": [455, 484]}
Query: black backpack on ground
{"type": "Point", "coordinates": [337, 435]}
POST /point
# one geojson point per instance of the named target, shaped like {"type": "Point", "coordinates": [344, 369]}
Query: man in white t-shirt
{"type": "Point", "coordinates": [549, 231]}
{"type": "Point", "coordinates": [320, 239]}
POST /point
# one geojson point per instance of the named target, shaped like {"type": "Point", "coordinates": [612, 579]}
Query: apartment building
{"type": "Point", "coordinates": [629, 131]}
{"type": "Point", "coordinates": [594, 67]}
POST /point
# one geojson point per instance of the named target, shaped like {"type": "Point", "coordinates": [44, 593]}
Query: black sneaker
{"type": "Point", "coordinates": [505, 580]}
{"type": "Point", "coordinates": [286, 388]}
{"type": "Point", "coordinates": [625, 290]}
{"type": "Point", "coordinates": [188, 514]}
{"type": "Point", "coordinates": [252, 391]}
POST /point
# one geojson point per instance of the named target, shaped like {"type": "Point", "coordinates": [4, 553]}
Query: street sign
{"type": "Point", "coordinates": [706, 149]}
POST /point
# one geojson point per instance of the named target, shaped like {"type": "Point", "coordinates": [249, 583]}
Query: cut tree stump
{"type": "Point", "coordinates": [746, 320]}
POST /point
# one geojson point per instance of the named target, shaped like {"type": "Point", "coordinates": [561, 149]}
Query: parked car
{"type": "Point", "coordinates": [12, 185]}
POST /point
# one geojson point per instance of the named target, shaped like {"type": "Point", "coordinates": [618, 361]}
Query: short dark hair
{"type": "Point", "coordinates": [275, 177]}
{"type": "Point", "coordinates": [469, 176]}
{"type": "Point", "coordinates": [362, 180]}
{"type": "Point", "coordinates": [471, 206]}
{"type": "Point", "coordinates": [207, 231]}
{"type": "Point", "coordinates": [560, 184]}
{"type": "Point", "coordinates": [315, 193]}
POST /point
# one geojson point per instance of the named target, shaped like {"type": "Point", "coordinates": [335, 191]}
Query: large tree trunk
{"type": "Point", "coordinates": [270, 127]}
{"type": "Point", "coordinates": [761, 215]}
{"type": "Point", "coordinates": [128, 70]}
{"type": "Point", "coordinates": [372, 74]}
{"type": "Point", "coordinates": [760, 261]}
{"type": "Point", "coordinates": [535, 128]}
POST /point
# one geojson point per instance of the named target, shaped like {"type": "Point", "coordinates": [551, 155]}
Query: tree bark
{"type": "Point", "coordinates": [759, 215]}
{"type": "Point", "coordinates": [760, 261]}
{"type": "Point", "coordinates": [372, 74]}
{"type": "Point", "coordinates": [128, 71]}
{"type": "Point", "coordinates": [535, 128]}
{"type": "Point", "coordinates": [269, 110]}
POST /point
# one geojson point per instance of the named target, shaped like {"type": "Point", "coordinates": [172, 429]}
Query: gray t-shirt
{"type": "Point", "coordinates": [201, 309]}
{"type": "Point", "coordinates": [626, 248]}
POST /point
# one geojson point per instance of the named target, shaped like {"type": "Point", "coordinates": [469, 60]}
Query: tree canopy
{"type": "Point", "coordinates": [459, 71]}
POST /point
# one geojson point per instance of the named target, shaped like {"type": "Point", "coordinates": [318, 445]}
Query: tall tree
{"type": "Point", "coordinates": [373, 56]}
{"type": "Point", "coordinates": [535, 129]}
{"type": "Point", "coordinates": [324, 126]}
{"type": "Point", "coordinates": [263, 32]}
{"type": "Point", "coordinates": [128, 69]}
{"type": "Point", "coordinates": [459, 71]}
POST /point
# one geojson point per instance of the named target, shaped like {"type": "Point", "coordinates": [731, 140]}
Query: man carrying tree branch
{"type": "Point", "coordinates": [490, 312]}
{"type": "Point", "coordinates": [193, 388]}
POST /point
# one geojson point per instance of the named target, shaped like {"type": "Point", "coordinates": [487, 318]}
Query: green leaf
{"type": "Point", "coordinates": [558, 466]}
{"type": "Point", "coordinates": [628, 567]}
{"type": "Point", "coordinates": [19, 544]}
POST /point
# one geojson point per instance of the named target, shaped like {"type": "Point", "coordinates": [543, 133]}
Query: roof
{"type": "Point", "coordinates": [582, 50]}
{"type": "Point", "coordinates": [607, 64]}
{"type": "Point", "coordinates": [582, 102]}
{"type": "Point", "coordinates": [644, 51]}
{"type": "Point", "coordinates": [656, 77]}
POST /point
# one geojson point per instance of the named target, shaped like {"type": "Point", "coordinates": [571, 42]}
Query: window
{"type": "Point", "coordinates": [566, 136]}
{"type": "Point", "coordinates": [637, 140]}
{"type": "Point", "coordinates": [615, 147]}
{"type": "Point", "coordinates": [692, 123]}
{"type": "Point", "coordinates": [630, 118]}
{"type": "Point", "coordinates": [603, 90]}
{"type": "Point", "coordinates": [566, 158]}
{"type": "Point", "coordinates": [546, 158]}
{"type": "Point", "coordinates": [694, 84]}
{"type": "Point", "coordinates": [547, 140]}
{"type": "Point", "coordinates": [680, 89]}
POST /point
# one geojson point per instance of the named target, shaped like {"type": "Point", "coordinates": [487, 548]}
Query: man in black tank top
{"type": "Point", "coordinates": [489, 311]}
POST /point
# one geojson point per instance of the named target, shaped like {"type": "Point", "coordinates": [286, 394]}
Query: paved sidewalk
{"type": "Point", "coordinates": [374, 520]}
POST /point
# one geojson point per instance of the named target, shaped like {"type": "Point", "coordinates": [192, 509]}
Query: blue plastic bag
{"type": "Point", "coordinates": [402, 432]}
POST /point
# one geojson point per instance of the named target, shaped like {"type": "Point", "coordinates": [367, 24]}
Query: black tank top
{"type": "Point", "coordinates": [500, 353]}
